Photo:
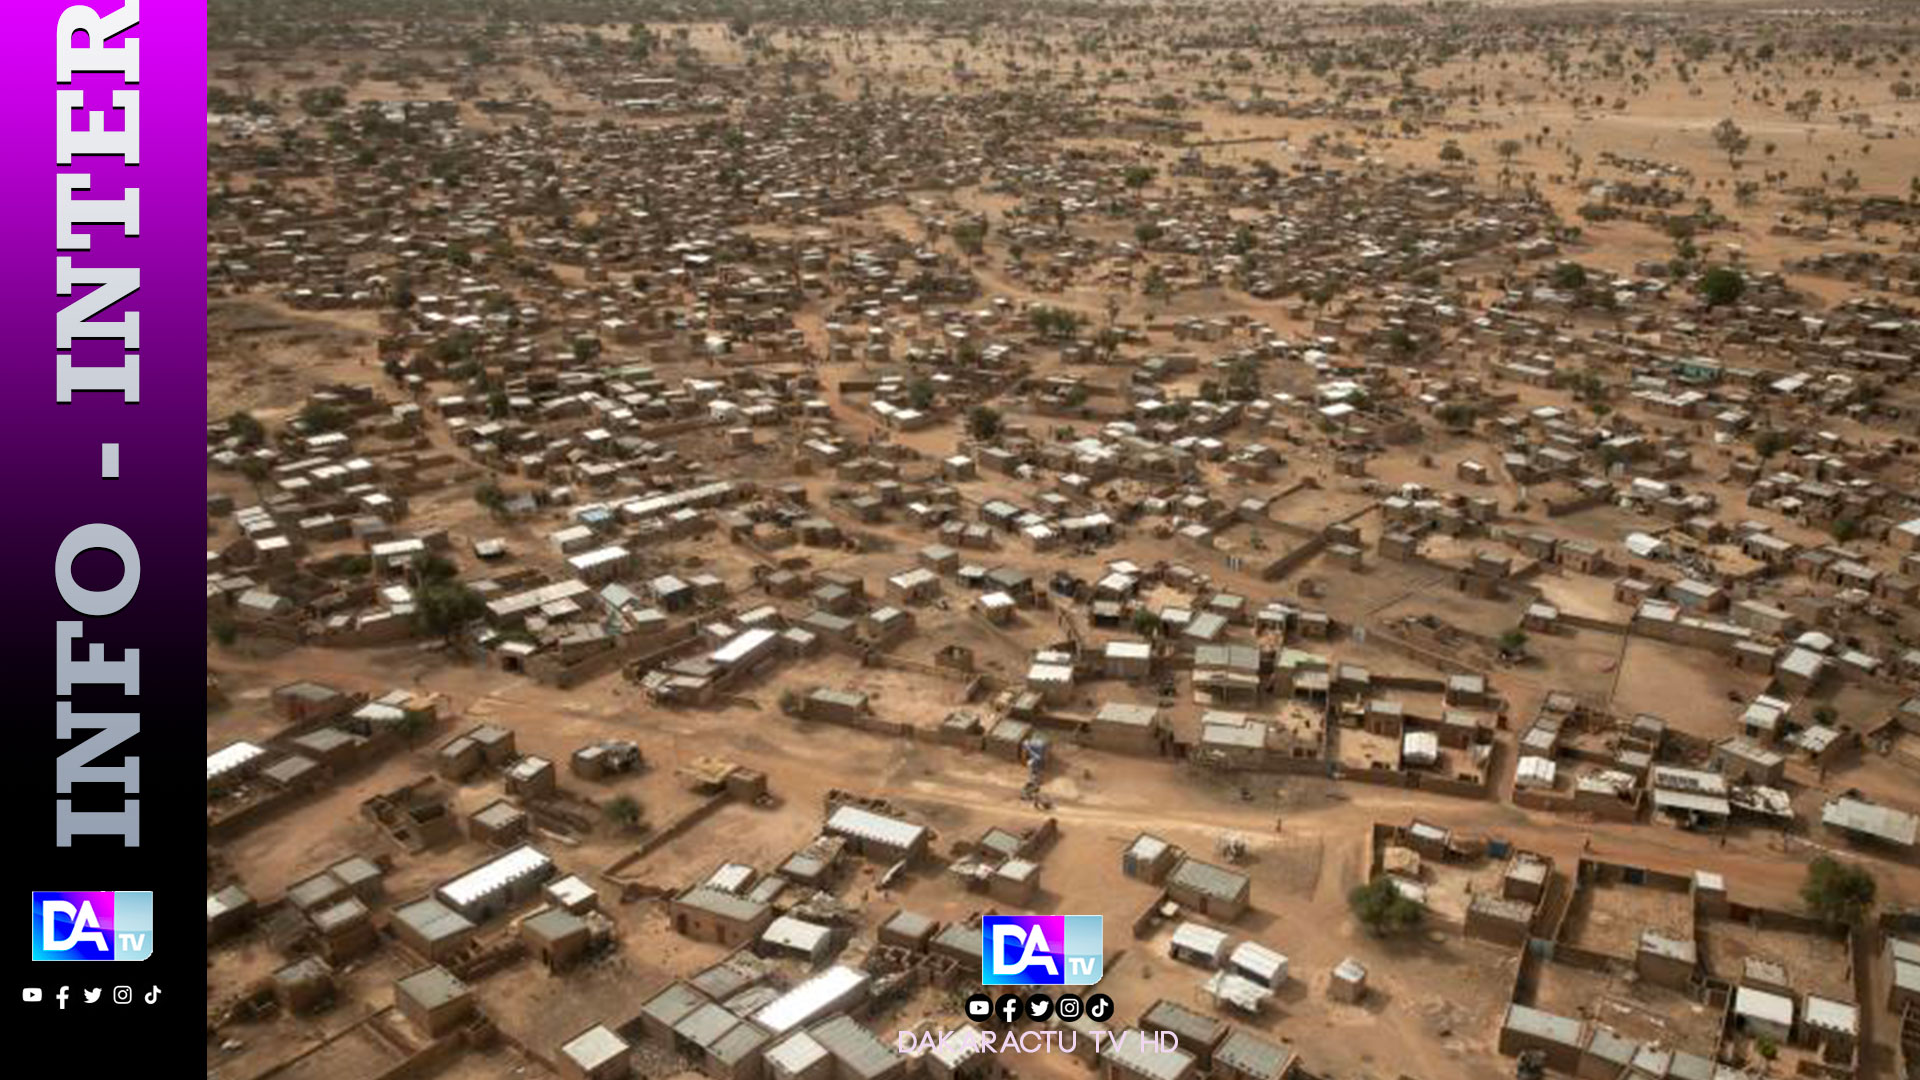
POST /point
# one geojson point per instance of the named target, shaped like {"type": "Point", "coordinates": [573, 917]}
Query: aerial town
{"type": "Point", "coordinates": [1409, 512]}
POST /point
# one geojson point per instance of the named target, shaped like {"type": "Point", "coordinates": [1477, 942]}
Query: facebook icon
{"type": "Point", "coordinates": [1034, 950]}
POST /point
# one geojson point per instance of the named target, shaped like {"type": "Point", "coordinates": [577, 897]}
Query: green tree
{"type": "Point", "coordinates": [1731, 140]}
{"type": "Point", "coordinates": [1840, 893]}
{"type": "Point", "coordinates": [1569, 275]}
{"type": "Point", "coordinates": [624, 811]}
{"type": "Point", "coordinates": [1138, 176]}
{"type": "Point", "coordinates": [641, 41]}
{"type": "Point", "coordinates": [1243, 377]}
{"type": "Point", "coordinates": [322, 416]}
{"type": "Point", "coordinates": [1451, 154]}
{"type": "Point", "coordinates": [971, 235]}
{"type": "Point", "coordinates": [1145, 622]}
{"type": "Point", "coordinates": [490, 496]}
{"type": "Point", "coordinates": [432, 569]}
{"type": "Point", "coordinates": [1157, 286]}
{"type": "Point", "coordinates": [1722, 285]}
{"type": "Point", "coordinates": [443, 607]}
{"type": "Point", "coordinates": [983, 422]}
{"type": "Point", "coordinates": [251, 432]}
{"type": "Point", "coordinates": [323, 100]}
{"type": "Point", "coordinates": [1382, 909]}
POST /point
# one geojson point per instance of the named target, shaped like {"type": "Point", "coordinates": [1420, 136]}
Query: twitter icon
{"type": "Point", "coordinates": [91, 995]}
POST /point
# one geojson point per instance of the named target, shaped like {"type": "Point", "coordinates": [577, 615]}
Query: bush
{"type": "Point", "coordinates": [444, 607]}
{"type": "Point", "coordinates": [983, 422]}
{"type": "Point", "coordinates": [1722, 285]}
{"type": "Point", "coordinates": [320, 417]}
{"type": "Point", "coordinates": [1839, 893]}
{"type": "Point", "coordinates": [248, 430]}
{"type": "Point", "coordinates": [623, 811]}
{"type": "Point", "coordinates": [1382, 909]}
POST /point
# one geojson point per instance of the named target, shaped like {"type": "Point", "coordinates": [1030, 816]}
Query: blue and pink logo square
{"type": "Point", "coordinates": [92, 925]}
{"type": "Point", "coordinates": [1038, 950]}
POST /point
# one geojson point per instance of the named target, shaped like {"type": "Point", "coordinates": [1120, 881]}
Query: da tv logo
{"type": "Point", "coordinates": [1036, 950]}
{"type": "Point", "coordinates": [92, 925]}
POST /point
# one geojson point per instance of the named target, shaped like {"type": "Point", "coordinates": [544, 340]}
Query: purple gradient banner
{"type": "Point", "coordinates": [60, 460]}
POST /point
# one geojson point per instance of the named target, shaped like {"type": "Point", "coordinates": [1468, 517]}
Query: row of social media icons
{"type": "Point", "coordinates": [1008, 1008]}
{"type": "Point", "coordinates": [122, 995]}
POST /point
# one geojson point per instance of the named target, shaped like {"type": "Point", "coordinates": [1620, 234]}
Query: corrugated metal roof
{"type": "Point", "coordinates": [1194, 937]}
{"type": "Point", "coordinates": [1253, 1056]}
{"type": "Point", "coordinates": [672, 1005]}
{"type": "Point", "coordinates": [796, 1054]}
{"type": "Point", "coordinates": [1544, 1025]}
{"type": "Point", "coordinates": [810, 998]}
{"type": "Point", "coordinates": [594, 1047]}
{"type": "Point", "coordinates": [228, 758]}
{"type": "Point", "coordinates": [432, 987]}
{"type": "Point", "coordinates": [793, 933]}
{"type": "Point", "coordinates": [1208, 879]}
{"type": "Point", "coordinates": [1259, 961]}
{"type": "Point", "coordinates": [858, 1051]}
{"type": "Point", "coordinates": [724, 904]}
{"type": "Point", "coordinates": [867, 825]}
{"type": "Point", "coordinates": [1763, 1005]}
{"type": "Point", "coordinates": [433, 920]}
{"type": "Point", "coordinates": [1881, 822]}
{"type": "Point", "coordinates": [491, 877]}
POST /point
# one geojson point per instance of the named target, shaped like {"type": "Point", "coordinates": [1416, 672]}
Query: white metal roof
{"type": "Point", "coordinates": [744, 645]}
{"type": "Point", "coordinates": [1194, 937]}
{"type": "Point", "coordinates": [804, 1002]}
{"type": "Point", "coordinates": [1832, 1015]}
{"type": "Point", "coordinates": [1258, 960]}
{"type": "Point", "coordinates": [1881, 822]}
{"type": "Point", "coordinates": [1242, 993]}
{"type": "Point", "coordinates": [1763, 1005]}
{"type": "Point", "coordinates": [867, 825]}
{"type": "Point", "coordinates": [594, 1047]}
{"type": "Point", "coordinates": [228, 758]}
{"type": "Point", "coordinates": [792, 933]}
{"type": "Point", "coordinates": [490, 877]}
